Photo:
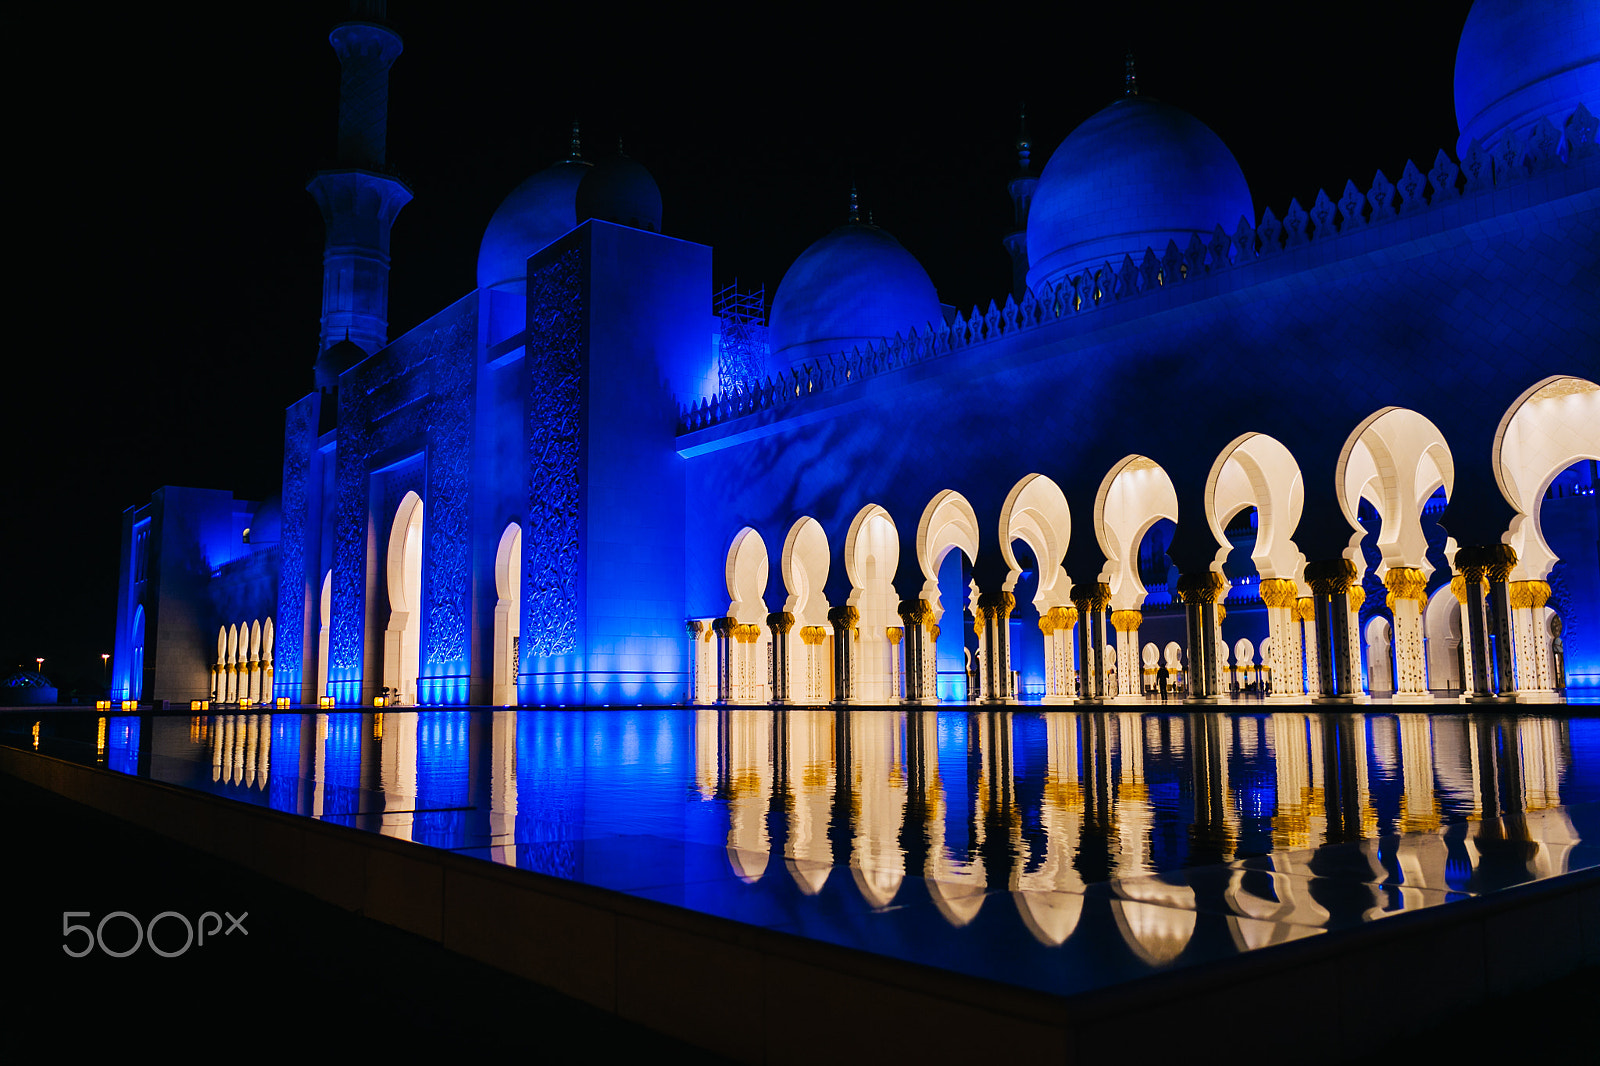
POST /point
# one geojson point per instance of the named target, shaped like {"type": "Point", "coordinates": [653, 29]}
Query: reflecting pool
{"type": "Point", "coordinates": [1058, 850]}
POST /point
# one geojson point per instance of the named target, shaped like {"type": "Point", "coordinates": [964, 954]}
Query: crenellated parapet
{"type": "Point", "coordinates": [1314, 235]}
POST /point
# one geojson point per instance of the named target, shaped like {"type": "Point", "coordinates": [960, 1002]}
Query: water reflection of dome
{"type": "Point", "coordinates": [1519, 62]}
{"type": "Point", "coordinates": [1134, 175]}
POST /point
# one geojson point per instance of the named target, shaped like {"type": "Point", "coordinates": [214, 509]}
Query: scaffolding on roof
{"type": "Point", "coordinates": [742, 359]}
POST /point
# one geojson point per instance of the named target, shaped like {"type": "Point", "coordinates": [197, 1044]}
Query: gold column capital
{"type": "Point", "coordinates": [1058, 618]}
{"type": "Point", "coordinates": [813, 634]}
{"type": "Point", "coordinates": [844, 617]}
{"type": "Point", "coordinates": [1203, 587]}
{"type": "Point", "coordinates": [916, 612]}
{"type": "Point", "coordinates": [1222, 614]}
{"type": "Point", "coordinates": [695, 627]}
{"type": "Point", "coordinates": [1126, 621]}
{"type": "Point", "coordinates": [1405, 583]}
{"type": "Point", "coordinates": [725, 626]}
{"type": "Point", "coordinates": [1458, 586]}
{"type": "Point", "coordinates": [1305, 608]}
{"type": "Point", "coordinates": [1330, 577]}
{"type": "Point", "coordinates": [1528, 593]}
{"type": "Point", "coordinates": [894, 633]}
{"type": "Point", "coordinates": [1358, 596]}
{"type": "Point", "coordinates": [1278, 592]}
{"type": "Point", "coordinates": [780, 622]}
{"type": "Point", "coordinates": [1092, 597]}
{"type": "Point", "coordinates": [996, 601]}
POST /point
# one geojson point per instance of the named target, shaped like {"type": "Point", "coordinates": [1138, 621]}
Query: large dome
{"type": "Point", "coordinates": [1135, 175]}
{"type": "Point", "coordinates": [620, 190]}
{"type": "Point", "coordinates": [854, 287]}
{"type": "Point", "coordinates": [536, 213]}
{"type": "Point", "coordinates": [1519, 62]}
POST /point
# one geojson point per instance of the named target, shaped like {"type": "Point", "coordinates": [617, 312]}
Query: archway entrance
{"type": "Point", "coordinates": [506, 666]}
{"type": "Point", "coordinates": [324, 617]}
{"type": "Point", "coordinates": [402, 641]}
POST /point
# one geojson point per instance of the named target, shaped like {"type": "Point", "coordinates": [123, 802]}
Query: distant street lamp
{"type": "Point", "coordinates": [105, 662]}
{"type": "Point", "coordinates": [40, 661]}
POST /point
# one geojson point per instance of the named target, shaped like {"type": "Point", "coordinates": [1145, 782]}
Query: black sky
{"type": "Point", "coordinates": [172, 312]}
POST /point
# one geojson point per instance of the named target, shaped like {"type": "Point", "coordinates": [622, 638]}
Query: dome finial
{"type": "Point", "coordinates": [1130, 80]}
{"type": "Point", "coordinates": [1024, 143]}
{"type": "Point", "coordinates": [855, 206]}
{"type": "Point", "coordinates": [576, 152]}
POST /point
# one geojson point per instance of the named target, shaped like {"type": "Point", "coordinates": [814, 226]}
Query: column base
{"type": "Point", "coordinates": [1287, 697]}
{"type": "Point", "coordinates": [1474, 698]}
{"type": "Point", "coordinates": [1056, 701]}
{"type": "Point", "coordinates": [1537, 696]}
{"type": "Point", "coordinates": [1352, 700]}
{"type": "Point", "coordinates": [920, 701]}
{"type": "Point", "coordinates": [1127, 700]}
{"type": "Point", "coordinates": [1412, 698]}
{"type": "Point", "coordinates": [1201, 701]}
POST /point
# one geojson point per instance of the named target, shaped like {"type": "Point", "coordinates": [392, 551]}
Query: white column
{"type": "Point", "coordinates": [1408, 596]}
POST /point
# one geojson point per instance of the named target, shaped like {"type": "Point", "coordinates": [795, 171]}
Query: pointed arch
{"type": "Point", "coordinates": [1552, 425]}
{"type": "Point", "coordinates": [1395, 459]}
{"type": "Point", "coordinates": [506, 666]}
{"type": "Point", "coordinates": [1036, 512]}
{"type": "Point", "coordinates": [1134, 495]}
{"type": "Point", "coordinates": [1258, 471]}
{"type": "Point", "coordinates": [948, 523]}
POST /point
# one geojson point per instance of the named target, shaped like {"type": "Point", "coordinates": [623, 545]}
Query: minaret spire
{"type": "Point", "coordinates": [1130, 80]}
{"type": "Point", "coordinates": [575, 153]}
{"type": "Point", "coordinates": [359, 200]}
{"type": "Point", "coordinates": [855, 205]}
{"type": "Point", "coordinates": [1021, 190]}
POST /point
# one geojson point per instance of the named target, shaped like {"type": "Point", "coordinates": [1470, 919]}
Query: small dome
{"type": "Point", "coordinates": [854, 287]}
{"type": "Point", "coordinates": [1133, 176]}
{"type": "Point", "coordinates": [620, 190]}
{"type": "Point", "coordinates": [335, 360]}
{"type": "Point", "coordinates": [536, 213]}
{"type": "Point", "coordinates": [1519, 62]}
{"type": "Point", "coordinates": [25, 679]}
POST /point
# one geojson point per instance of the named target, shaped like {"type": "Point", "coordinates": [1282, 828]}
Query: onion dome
{"type": "Point", "coordinates": [335, 360]}
{"type": "Point", "coordinates": [1133, 176]}
{"type": "Point", "coordinates": [1519, 62]}
{"type": "Point", "coordinates": [854, 287]}
{"type": "Point", "coordinates": [620, 190]}
{"type": "Point", "coordinates": [536, 213]}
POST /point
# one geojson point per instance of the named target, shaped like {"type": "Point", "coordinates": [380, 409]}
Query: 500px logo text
{"type": "Point", "coordinates": [146, 934]}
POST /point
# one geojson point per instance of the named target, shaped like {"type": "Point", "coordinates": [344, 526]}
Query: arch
{"type": "Point", "coordinates": [324, 631]}
{"type": "Point", "coordinates": [1380, 664]}
{"type": "Point", "coordinates": [871, 557]}
{"type": "Point", "coordinates": [506, 667]}
{"type": "Point", "coordinates": [1258, 471]}
{"type": "Point", "coordinates": [1549, 427]}
{"type": "Point", "coordinates": [136, 648]}
{"type": "Point", "coordinates": [402, 640]}
{"type": "Point", "coordinates": [231, 689]}
{"type": "Point", "coordinates": [1135, 495]}
{"type": "Point", "coordinates": [1395, 459]}
{"type": "Point", "coordinates": [1441, 630]}
{"type": "Point", "coordinates": [254, 691]}
{"type": "Point", "coordinates": [804, 565]}
{"type": "Point", "coordinates": [747, 571]}
{"type": "Point", "coordinates": [947, 523]}
{"type": "Point", "coordinates": [1036, 512]}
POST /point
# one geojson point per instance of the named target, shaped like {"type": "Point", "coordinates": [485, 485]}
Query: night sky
{"type": "Point", "coordinates": [162, 159]}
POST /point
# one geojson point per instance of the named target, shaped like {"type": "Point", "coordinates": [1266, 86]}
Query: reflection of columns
{"type": "Point", "coordinates": [1126, 623]}
{"type": "Point", "coordinates": [1283, 634]}
{"type": "Point", "coordinates": [1199, 593]}
{"type": "Point", "coordinates": [1408, 596]}
{"type": "Point", "coordinates": [725, 628]}
{"type": "Point", "coordinates": [1330, 586]}
{"type": "Point", "coordinates": [814, 640]}
{"type": "Point", "coordinates": [844, 620]}
{"type": "Point", "coordinates": [1526, 600]}
{"type": "Point", "coordinates": [992, 621]}
{"type": "Point", "coordinates": [1092, 601]}
{"type": "Point", "coordinates": [895, 635]}
{"type": "Point", "coordinates": [780, 623]}
{"type": "Point", "coordinates": [1469, 663]}
{"type": "Point", "coordinates": [1419, 803]}
{"type": "Point", "coordinates": [1477, 566]}
{"type": "Point", "coordinates": [917, 616]}
{"type": "Point", "coordinates": [1057, 625]}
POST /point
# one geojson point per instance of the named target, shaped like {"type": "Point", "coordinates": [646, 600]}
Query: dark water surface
{"type": "Point", "coordinates": [1059, 850]}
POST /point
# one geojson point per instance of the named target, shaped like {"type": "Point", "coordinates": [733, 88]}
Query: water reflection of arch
{"type": "Point", "coordinates": [1155, 917]}
{"type": "Point", "coordinates": [746, 781]}
{"type": "Point", "coordinates": [808, 755]}
{"type": "Point", "coordinates": [1049, 897]}
{"type": "Point", "coordinates": [878, 785]}
{"type": "Point", "coordinates": [396, 733]}
{"type": "Point", "coordinates": [240, 749]}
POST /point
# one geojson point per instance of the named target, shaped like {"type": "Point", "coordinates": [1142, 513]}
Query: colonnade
{"type": "Point", "coordinates": [243, 668]}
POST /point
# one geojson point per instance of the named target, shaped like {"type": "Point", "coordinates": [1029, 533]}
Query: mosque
{"type": "Point", "coordinates": [590, 482]}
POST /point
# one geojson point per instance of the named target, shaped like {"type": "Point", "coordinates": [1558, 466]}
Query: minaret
{"type": "Point", "coordinates": [358, 201]}
{"type": "Point", "coordinates": [1021, 189]}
